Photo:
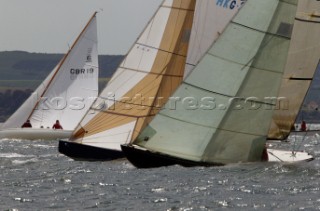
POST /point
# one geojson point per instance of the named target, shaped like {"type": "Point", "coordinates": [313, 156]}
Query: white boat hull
{"type": "Point", "coordinates": [276, 155]}
{"type": "Point", "coordinates": [34, 134]}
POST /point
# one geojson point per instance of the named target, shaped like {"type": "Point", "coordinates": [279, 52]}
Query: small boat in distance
{"type": "Point", "coordinates": [65, 95]}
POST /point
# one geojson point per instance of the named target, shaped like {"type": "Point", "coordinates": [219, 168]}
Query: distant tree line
{"type": "Point", "coordinates": [18, 65]}
{"type": "Point", "coordinates": [10, 101]}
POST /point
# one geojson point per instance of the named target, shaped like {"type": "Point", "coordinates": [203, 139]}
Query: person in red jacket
{"type": "Point", "coordinates": [57, 125]}
{"type": "Point", "coordinates": [27, 124]}
{"type": "Point", "coordinates": [303, 126]}
{"type": "Point", "coordinates": [265, 156]}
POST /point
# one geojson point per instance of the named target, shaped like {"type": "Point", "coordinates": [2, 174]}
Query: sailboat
{"type": "Point", "coordinates": [65, 95]}
{"type": "Point", "coordinates": [150, 72]}
{"type": "Point", "coordinates": [209, 20]}
{"type": "Point", "coordinates": [221, 122]}
{"type": "Point", "coordinates": [303, 62]}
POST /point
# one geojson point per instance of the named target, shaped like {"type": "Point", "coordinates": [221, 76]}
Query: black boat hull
{"type": "Point", "coordinates": [147, 159]}
{"type": "Point", "coordinates": [84, 152]}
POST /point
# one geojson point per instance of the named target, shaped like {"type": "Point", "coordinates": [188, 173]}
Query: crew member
{"type": "Point", "coordinates": [303, 126]}
{"type": "Point", "coordinates": [57, 125]}
{"type": "Point", "coordinates": [26, 124]}
{"type": "Point", "coordinates": [265, 156]}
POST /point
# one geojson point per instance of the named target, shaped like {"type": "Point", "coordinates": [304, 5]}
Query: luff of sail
{"type": "Point", "coordinates": [69, 90]}
{"type": "Point", "coordinates": [302, 63]}
{"type": "Point", "coordinates": [217, 120]}
{"type": "Point", "coordinates": [148, 75]}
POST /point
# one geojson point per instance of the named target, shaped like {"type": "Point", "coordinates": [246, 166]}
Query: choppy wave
{"type": "Point", "coordinates": [21, 162]}
{"type": "Point", "coordinates": [13, 155]}
{"type": "Point", "coordinates": [34, 175]}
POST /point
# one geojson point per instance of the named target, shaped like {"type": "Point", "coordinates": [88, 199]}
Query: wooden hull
{"type": "Point", "coordinates": [35, 134]}
{"type": "Point", "coordinates": [79, 151]}
{"type": "Point", "coordinates": [142, 158]}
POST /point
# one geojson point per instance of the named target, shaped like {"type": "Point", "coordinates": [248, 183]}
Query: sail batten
{"type": "Point", "coordinates": [264, 32]}
{"type": "Point", "coordinates": [308, 21]}
{"type": "Point", "coordinates": [160, 74]}
{"type": "Point", "coordinates": [127, 115]}
{"type": "Point", "coordinates": [301, 79]}
{"type": "Point", "coordinates": [159, 49]}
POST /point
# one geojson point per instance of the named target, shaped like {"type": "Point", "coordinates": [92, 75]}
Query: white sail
{"type": "Point", "coordinates": [69, 90]}
{"type": "Point", "coordinates": [216, 119]}
{"type": "Point", "coordinates": [210, 19]}
{"type": "Point", "coordinates": [153, 67]}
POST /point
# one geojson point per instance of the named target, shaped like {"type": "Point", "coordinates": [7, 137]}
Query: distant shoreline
{"type": "Point", "coordinates": [22, 72]}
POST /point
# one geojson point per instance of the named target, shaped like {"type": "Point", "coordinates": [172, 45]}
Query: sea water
{"type": "Point", "coordinates": [34, 176]}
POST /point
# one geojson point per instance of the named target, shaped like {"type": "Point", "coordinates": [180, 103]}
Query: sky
{"type": "Point", "coordinates": [50, 26]}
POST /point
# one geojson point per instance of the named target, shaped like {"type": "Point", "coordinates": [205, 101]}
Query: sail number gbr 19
{"type": "Point", "coordinates": [81, 73]}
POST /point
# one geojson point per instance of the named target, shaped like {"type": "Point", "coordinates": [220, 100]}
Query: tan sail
{"type": "Point", "coordinates": [143, 100]}
{"type": "Point", "coordinates": [302, 62]}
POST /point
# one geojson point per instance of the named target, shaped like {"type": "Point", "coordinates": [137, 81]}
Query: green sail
{"type": "Point", "coordinates": [221, 113]}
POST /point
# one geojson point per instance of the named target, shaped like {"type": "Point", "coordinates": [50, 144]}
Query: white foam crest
{"type": "Point", "coordinates": [14, 155]}
{"type": "Point", "coordinates": [8, 139]}
{"type": "Point", "coordinates": [21, 162]}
